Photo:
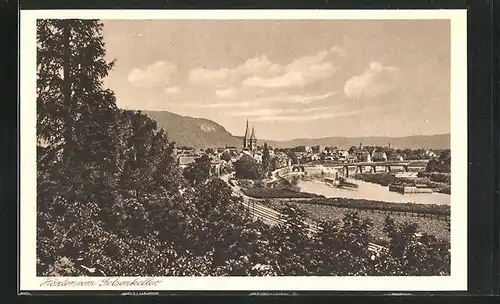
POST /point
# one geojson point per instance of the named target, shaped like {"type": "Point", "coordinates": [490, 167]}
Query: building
{"type": "Point", "coordinates": [185, 161]}
{"type": "Point", "coordinates": [280, 160]}
{"type": "Point", "coordinates": [187, 151]}
{"type": "Point", "coordinates": [215, 167]}
{"type": "Point", "coordinates": [232, 150]}
{"type": "Point", "coordinates": [396, 157]}
{"type": "Point", "coordinates": [430, 154]}
{"type": "Point", "coordinates": [379, 156]}
{"type": "Point", "coordinates": [250, 141]}
{"type": "Point", "coordinates": [303, 149]}
{"type": "Point", "coordinates": [315, 157]}
{"type": "Point", "coordinates": [360, 153]}
{"type": "Point", "coordinates": [258, 157]}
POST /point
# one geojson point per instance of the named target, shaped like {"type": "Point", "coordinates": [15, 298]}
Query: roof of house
{"type": "Point", "coordinates": [186, 160]}
{"type": "Point", "coordinates": [378, 153]}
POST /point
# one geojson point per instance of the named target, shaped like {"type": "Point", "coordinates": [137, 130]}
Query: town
{"type": "Point", "coordinates": [401, 162]}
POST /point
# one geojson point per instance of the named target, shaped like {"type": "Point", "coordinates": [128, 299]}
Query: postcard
{"type": "Point", "coordinates": [233, 150]}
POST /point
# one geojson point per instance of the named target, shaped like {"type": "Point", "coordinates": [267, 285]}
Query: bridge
{"type": "Point", "coordinates": [357, 167]}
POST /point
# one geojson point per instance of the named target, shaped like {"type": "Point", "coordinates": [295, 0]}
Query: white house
{"type": "Point", "coordinates": [315, 157]}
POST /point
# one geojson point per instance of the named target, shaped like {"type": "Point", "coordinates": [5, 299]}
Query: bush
{"type": "Point", "coordinates": [438, 177]}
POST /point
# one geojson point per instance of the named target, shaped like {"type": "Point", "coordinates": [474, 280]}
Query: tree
{"type": "Point", "coordinates": [248, 168]}
{"type": "Point", "coordinates": [266, 157]}
{"type": "Point", "coordinates": [226, 156]}
{"type": "Point", "coordinates": [72, 106]}
{"type": "Point", "coordinates": [199, 171]}
{"type": "Point", "coordinates": [316, 149]}
{"type": "Point", "coordinates": [442, 164]}
{"type": "Point", "coordinates": [209, 151]}
{"type": "Point", "coordinates": [293, 157]}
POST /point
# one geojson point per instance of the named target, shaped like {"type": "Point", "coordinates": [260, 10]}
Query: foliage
{"type": "Point", "coordinates": [436, 177]}
{"type": "Point", "coordinates": [72, 106]}
{"type": "Point", "coordinates": [442, 164]}
{"type": "Point", "coordinates": [209, 151]}
{"type": "Point", "coordinates": [293, 157]}
{"type": "Point", "coordinates": [248, 168]}
{"type": "Point", "coordinates": [226, 156]}
{"type": "Point", "coordinates": [199, 171]}
{"type": "Point", "coordinates": [277, 193]}
{"type": "Point", "coordinates": [266, 158]}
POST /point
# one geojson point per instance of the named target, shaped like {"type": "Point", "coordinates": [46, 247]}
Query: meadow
{"type": "Point", "coordinates": [434, 226]}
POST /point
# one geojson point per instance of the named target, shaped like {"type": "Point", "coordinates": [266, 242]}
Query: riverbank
{"type": "Point", "coordinates": [373, 192]}
{"type": "Point", "coordinates": [437, 182]}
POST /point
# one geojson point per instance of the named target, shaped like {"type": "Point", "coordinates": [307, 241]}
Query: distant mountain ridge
{"type": "Point", "coordinates": [205, 133]}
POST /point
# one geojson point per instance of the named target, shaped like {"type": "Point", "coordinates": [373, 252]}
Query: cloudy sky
{"type": "Point", "coordinates": [290, 79]}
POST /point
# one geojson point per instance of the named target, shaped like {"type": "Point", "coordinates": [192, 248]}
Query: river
{"type": "Point", "coordinates": [373, 192]}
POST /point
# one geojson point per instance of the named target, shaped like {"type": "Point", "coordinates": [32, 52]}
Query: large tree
{"type": "Point", "coordinates": [74, 111]}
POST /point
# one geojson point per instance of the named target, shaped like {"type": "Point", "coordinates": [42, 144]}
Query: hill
{"type": "Point", "coordinates": [441, 141]}
{"type": "Point", "coordinates": [194, 132]}
{"type": "Point", "coordinates": [204, 133]}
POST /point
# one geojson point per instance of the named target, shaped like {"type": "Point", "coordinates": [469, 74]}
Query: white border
{"type": "Point", "coordinates": [458, 278]}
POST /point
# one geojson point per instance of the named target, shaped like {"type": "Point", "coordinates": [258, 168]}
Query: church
{"type": "Point", "coordinates": [249, 142]}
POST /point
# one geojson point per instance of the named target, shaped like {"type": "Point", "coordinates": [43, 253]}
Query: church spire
{"type": "Point", "coordinates": [246, 130]}
{"type": "Point", "coordinates": [253, 134]}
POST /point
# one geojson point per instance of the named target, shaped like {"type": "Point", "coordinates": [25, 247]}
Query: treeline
{"type": "Point", "coordinates": [112, 201]}
{"type": "Point", "coordinates": [442, 164]}
{"type": "Point", "coordinates": [363, 204]}
{"type": "Point", "coordinates": [279, 193]}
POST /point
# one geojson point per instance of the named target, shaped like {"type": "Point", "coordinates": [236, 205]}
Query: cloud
{"type": "Point", "coordinates": [210, 77]}
{"type": "Point", "coordinates": [223, 77]}
{"type": "Point", "coordinates": [278, 111]}
{"type": "Point", "coordinates": [300, 72]}
{"type": "Point", "coordinates": [375, 81]}
{"type": "Point", "coordinates": [261, 72]}
{"type": "Point", "coordinates": [154, 75]}
{"type": "Point", "coordinates": [302, 117]}
{"type": "Point", "coordinates": [280, 98]}
{"type": "Point", "coordinates": [225, 93]}
{"type": "Point", "coordinates": [172, 90]}
{"type": "Point", "coordinates": [339, 51]}
{"type": "Point", "coordinates": [259, 65]}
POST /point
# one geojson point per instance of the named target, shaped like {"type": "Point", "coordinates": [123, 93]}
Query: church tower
{"type": "Point", "coordinates": [246, 139]}
{"type": "Point", "coordinates": [253, 140]}
{"type": "Point", "coordinates": [249, 140]}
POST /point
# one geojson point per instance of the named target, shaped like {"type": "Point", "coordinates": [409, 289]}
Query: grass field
{"type": "Point", "coordinates": [431, 226]}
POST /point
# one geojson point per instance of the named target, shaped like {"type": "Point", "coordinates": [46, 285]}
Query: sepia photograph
{"type": "Point", "coordinates": [259, 146]}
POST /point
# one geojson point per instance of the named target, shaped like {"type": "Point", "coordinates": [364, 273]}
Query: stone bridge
{"type": "Point", "coordinates": [347, 169]}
